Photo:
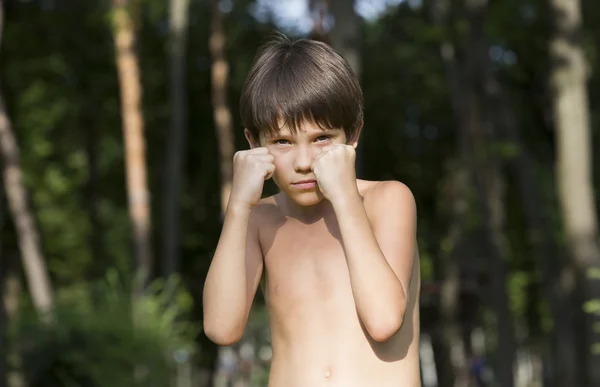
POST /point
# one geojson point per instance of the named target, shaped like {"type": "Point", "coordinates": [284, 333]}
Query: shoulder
{"type": "Point", "coordinates": [381, 191]}
{"type": "Point", "coordinates": [266, 212]}
{"type": "Point", "coordinates": [389, 197]}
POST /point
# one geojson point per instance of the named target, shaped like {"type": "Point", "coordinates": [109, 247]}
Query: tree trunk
{"type": "Point", "coordinates": [92, 187]}
{"type": "Point", "coordinates": [3, 324]}
{"type": "Point", "coordinates": [3, 280]}
{"type": "Point", "coordinates": [574, 167]}
{"type": "Point", "coordinates": [133, 132]}
{"type": "Point", "coordinates": [319, 10]}
{"type": "Point", "coordinates": [486, 174]}
{"type": "Point", "coordinates": [470, 115]}
{"type": "Point", "coordinates": [222, 114]}
{"type": "Point", "coordinates": [548, 255]}
{"type": "Point", "coordinates": [346, 39]}
{"type": "Point", "coordinates": [452, 370]}
{"type": "Point", "coordinates": [36, 271]}
{"type": "Point", "coordinates": [345, 35]}
{"type": "Point", "coordinates": [176, 137]}
{"type": "Point", "coordinates": [490, 183]}
{"type": "Point", "coordinates": [11, 296]}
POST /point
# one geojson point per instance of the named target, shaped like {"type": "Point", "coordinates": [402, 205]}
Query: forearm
{"type": "Point", "coordinates": [378, 293]}
{"type": "Point", "coordinates": [225, 302]}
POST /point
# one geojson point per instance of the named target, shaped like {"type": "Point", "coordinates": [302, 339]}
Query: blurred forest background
{"type": "Point", "coordinates": [118, 123]}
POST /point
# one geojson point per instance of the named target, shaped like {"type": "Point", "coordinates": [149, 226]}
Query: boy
{"type": "Point", "coordinates": [339, 257]}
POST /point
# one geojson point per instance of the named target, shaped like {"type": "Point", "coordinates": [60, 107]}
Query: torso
{"type": "Point", "coordinates": [316, 334]}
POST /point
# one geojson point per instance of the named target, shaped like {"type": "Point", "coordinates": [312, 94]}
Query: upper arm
{"type": "Point", "coordinates": [254, 259]}
{"type": "Point", "coordinates": [393, 217]}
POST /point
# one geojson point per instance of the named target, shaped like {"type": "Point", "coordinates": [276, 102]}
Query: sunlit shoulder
{"type": "Point", "coordinates": [388, 198]}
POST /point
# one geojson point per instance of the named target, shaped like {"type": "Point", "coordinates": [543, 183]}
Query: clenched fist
{"type": "Point", "coordinates": [250, 170]}
{"type": "Point", "coordinates": [334, 170]}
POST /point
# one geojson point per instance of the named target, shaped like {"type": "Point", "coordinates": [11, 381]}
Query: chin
{"type": "Point", "coordinates": [306, 199]}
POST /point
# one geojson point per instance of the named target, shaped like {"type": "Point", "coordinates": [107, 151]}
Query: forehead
{"type": "Point", "coordinates": [305, 128]}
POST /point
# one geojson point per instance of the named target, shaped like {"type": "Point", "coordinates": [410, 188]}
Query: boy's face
{"type": "Point", "coordinates": [294, 155]}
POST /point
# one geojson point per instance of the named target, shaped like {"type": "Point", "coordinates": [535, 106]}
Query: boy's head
{"type": "Point", "coordinates": [298, 98]}
{"type": "Point", "coordinates": [295, 82]}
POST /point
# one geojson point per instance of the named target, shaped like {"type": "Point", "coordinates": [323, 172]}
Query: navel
{"type": "Point", "coordinates": [327, 374]}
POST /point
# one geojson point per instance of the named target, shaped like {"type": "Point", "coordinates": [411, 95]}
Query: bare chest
{"type": "Point", "coordinates": [304, 264]}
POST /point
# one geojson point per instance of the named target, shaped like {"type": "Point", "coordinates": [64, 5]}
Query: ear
{"type": "Point", "coordinates": [354, 140]}
{"type": "Point", "coordinates": [251, 141]}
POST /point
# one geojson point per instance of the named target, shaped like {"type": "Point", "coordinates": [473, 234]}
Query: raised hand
{"type": "Point", "coordinates": [334, 170]}
{"type": "Point", "coordinates": [250, 170]}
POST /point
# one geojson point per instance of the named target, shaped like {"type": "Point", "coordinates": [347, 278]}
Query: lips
{"type": "Point", "coordinates": [305, 184]}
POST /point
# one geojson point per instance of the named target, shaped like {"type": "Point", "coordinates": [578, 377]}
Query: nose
{"type": "Point", "coordinates": [304, 158]}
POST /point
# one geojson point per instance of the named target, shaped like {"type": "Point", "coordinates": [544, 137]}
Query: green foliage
{"type": "Point", "coordinates": [63, 100]}
{"type": "Point", "coordinates": [592, 307]}
{"type": "Point", "coordinates": [100, 336]}
{"type": "Point", "coordinates": [593, 274]}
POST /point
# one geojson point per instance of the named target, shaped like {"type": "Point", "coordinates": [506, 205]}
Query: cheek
{"type": "Point", "coordinates": [281, 166]}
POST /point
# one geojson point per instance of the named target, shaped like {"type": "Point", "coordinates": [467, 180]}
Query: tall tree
{"type": "Point", "coordinates": [178, 26]}
{"type": "Point", "coordinates": [127, 61]}
{"type": "Point", "coordinates": [574, 166]}
{"type": "Point", "coordinates": [92, 188]}
{"type": "Point", "coordinates": [548, 255]}
{"type": "Point", "coordinates": [221, 112]}
{"type": "Point", "coordinates": [490, 184]}
{"type": "Point", "coordinates": [34, 265]}
{"type": "Point", "coordinates": [538, 226]}
{"type": "Point", "coordinates": [3, 357]}
{"type": "Point", "coordinates": [3, 319]}
{"type": "Point", "coordinates": [318, 10]}
{"type": "Point", "coordinates": [470, 111]}
{"type": "Point", "coordinates": [222, 115]}
{"type": "Point", "coordinates": [452, 370]}
{"type": "Point", "coordinates": [11, 296]}
{"type": "Point", "coordinates": [345, 37]}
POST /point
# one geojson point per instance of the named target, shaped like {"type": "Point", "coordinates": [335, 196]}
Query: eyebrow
{"type": "Point", "coordinates": [284, 135]}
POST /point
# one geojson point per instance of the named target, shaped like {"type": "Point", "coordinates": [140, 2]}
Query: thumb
{"type": "Point", "coordinates": [270, 171]}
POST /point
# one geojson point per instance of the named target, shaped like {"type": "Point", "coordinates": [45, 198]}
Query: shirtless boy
{"type": "Point", "coordinates": [336, 256]}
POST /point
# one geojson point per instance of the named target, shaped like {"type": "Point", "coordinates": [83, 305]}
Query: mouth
{"type": "Point", "coordinates": [305, 184]}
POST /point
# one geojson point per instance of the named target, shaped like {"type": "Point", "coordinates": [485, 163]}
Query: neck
{"type": "Point", "coordinates": [305, 214]}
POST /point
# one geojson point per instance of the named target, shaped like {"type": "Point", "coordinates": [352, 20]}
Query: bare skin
{"type": "Point", "coordinates": [338, 259]}
{"type": "Point", "coordinates": [317, 335]}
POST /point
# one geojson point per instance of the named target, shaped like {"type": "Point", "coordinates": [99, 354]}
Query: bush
{"type": "Point", "coordinates": [100, 336]}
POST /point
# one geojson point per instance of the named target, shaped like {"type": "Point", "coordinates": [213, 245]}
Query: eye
{"type": "Point", "coordinates": [281, 141]}
{"type": "Point", "coordinates": [322, 138]}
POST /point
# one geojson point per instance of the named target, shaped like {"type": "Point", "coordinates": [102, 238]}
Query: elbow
{"type": "Point", "coordinates": [387, 325]}
{"type": "Point", "coordinates": [221, 335]}
{"type": "Point", "coordinates": [385, 330]}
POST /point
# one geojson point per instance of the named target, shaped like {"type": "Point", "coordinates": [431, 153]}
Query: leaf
{"type": "Point", "coordinates": [592, 306]}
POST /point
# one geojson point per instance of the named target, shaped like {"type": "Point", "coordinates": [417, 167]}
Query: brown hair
{"type": "Point", "coordinates": [292, 82]}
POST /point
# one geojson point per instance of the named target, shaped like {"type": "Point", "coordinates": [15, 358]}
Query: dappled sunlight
{"type": "Point", "coordinates": [119, 122]}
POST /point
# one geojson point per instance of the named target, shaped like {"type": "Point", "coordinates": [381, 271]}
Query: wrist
{"type": "Point", "coordinates": [238, 208]}
{"type": "Point", "coordinates": [347, 200]}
